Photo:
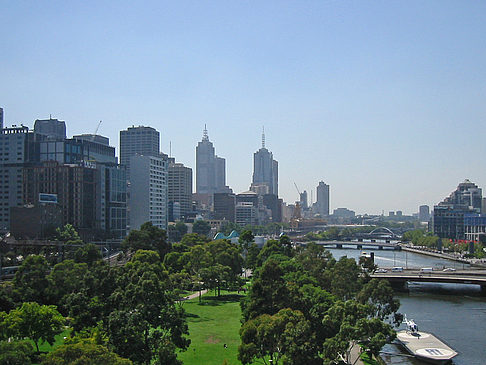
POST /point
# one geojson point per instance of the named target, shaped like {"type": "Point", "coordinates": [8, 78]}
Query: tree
{"type": "Point", "coordinates": [285, 335]}
{"type": "Point", "coordinates": [201, 227]}
{"type": "Point", "coordinates": [68, 234]}
{"type": "Point", "coordinates": [65, 278]}
{"type": "Point", "coordinates": [194, 239]}
{"type": "Point", "coordinates": [16, 353]}
{"type": "Point", "coordinates": [145, 319]}
{"type": "Point", "coordinates": [379, 295]}
{"type": "Point", "coordinates": [83, 353]}
{"type": "Point", "coordinates": [88, 254]}
{"type": "Point", "coordinates": [30, 281]}
{"type": "Point", "coordinates": [177, 231]}
{"type": "Point", "coordinates": [148, 237]}
{"type": "Point", "coordinates": [40, 323]}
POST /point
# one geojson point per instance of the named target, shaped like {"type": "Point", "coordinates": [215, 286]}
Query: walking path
{"type": "Point", "coordinates": [355, 355]}
{"type": "Point", "coordinates": [195, 295]}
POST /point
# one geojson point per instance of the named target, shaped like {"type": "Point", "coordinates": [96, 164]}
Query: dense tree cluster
{"type": "Point", "coordinates": [116, 314]}
{"type": "Point", "coordinates": [305, 307]}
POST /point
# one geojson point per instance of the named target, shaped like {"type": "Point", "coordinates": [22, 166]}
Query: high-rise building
{"type": "Point", "coordinates": [224, 206]}
{"type": "Point", "coordinates": [14, 155]}
{"type": "Point", "coordinates": [52, 129]}
{"type": "Point", "coordinates": [448, 215]}
{"type": "Point", "coordinates": [149, 191]}
{"type": "Point", "coordinates": [179, 189]}
{"type": "Point", "coordinates": [424, 213]}
{"type": "Point", "coordinates": [303, 200]}
{"type": "Point", "coordinates": [265, 170]}
{"type": "Point", "coordinates": [138, 140]}
{"type": "Point", "coordinates": [210, 169]}
{"type": "Point", "coordinates": [322, 203]}
{"type": "Point", "coordinates": [74, 188]}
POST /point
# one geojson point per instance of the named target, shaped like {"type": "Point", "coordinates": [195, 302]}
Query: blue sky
{"type": "Point", "coordinates": [383, 100]}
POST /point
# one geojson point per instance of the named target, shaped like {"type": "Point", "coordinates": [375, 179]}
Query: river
{"type": "Point", "coordinates": [455, 313]}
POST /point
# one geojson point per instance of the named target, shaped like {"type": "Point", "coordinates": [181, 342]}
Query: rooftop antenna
{"type": "Point", "coordinates": [263, 137]}
{"type": "Point", "coordinates": [205, 133]}
{"type": "Point", "coordinates": [170, 148]}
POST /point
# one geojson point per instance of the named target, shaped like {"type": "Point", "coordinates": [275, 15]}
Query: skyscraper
{"type": "Point", "coordinates": [148, 191]}
{"type": "Point", "coordinates": [265, 170]}
{"type": "Point", "coordinates": [180, 187]}
{"type": "Point", "coordinates": [210, 169]}
{"type": "Point", "coordinates": [138, 140]}
{"type": "Point", "coordinates": [322, 204]}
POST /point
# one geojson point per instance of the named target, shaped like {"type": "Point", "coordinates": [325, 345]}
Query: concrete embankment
{"type": "Point", "coordinates": [446, 256]}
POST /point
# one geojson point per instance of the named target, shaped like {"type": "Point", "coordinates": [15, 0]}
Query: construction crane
{"type": "Point", "coordinates": [96, 131]}
{"type": "Point", "coordinates": [296, 187]}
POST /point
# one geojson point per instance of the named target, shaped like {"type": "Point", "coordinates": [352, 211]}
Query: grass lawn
{"type": "Point", "coordinates": [45, 347]}
{"type": "Point", "coordinates": [213, 323]}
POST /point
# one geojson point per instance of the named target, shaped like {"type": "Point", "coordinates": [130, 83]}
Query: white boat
{"type": "Point", "coordinates": [423, 345]}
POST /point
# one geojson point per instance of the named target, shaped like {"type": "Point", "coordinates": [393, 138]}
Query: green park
{"type": "Point", "coordinates": [184, 300]}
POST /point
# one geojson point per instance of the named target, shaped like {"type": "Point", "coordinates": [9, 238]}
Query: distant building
{"type": "Point", "coordinates": [179, 189]}
{"type": "Point", "coordinates": [51, 129]}
{"type": "Point", "coordinates": [303, 200]}
{"type": "Point", "coordinates": [15, 154]}
{"type": "Point", "coordinates": [210, 169]}
{"type": "Point", "coordinates": [448, 215]}
{"type": "Point", "coordinates": [483, 206]}
{"type": "Point", "coordinates": [265, 169]}
{"type": "Point", "coordinates": [343, 213]}
{"type": "Point", "coordinates": [149, 191]}
{"type": "Point", "coordinates": [322, 203]}
{"type": "Point", "coordinates": [424, 213]}
{"type": "Point", "coordinates": [138, 140]}
{"type": "Point", "coordinates": [74, 187]}
{"type": "Point", "coordinates": [1, 118]}
{"type": "Point", "coordinates": [225, 206]}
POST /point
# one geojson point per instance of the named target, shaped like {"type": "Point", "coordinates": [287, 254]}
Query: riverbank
{"type": "Point", "coordinates": [443, 255]}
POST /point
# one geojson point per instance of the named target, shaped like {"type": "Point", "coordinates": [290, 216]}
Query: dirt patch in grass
{"type": "Point", "coordinates": [211, 339]}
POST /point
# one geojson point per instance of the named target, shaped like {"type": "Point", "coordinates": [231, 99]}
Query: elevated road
{"type": "Point", "coordinates": [477, 277]}
{"type": "Point", "coordinates": [360, 245]}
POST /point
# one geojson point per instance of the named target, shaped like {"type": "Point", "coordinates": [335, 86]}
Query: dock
{"type": "Point", "coordinates": [426, 347]}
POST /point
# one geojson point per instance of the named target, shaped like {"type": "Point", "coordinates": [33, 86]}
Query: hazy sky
{"type": "Point", "coordinates": [383, 100]}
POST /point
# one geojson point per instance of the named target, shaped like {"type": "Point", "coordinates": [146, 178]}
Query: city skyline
{"type": "Point", "coordinates": [384, 102]}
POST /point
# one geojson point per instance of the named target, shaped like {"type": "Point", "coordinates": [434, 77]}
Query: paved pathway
{"type": "Point", "coordinates": [195, 295]}
{"type": "Point", "coordinates": [355, 356]}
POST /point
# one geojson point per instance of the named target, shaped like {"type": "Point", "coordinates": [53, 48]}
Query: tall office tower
{"type": "Point", "coordinates": [111, 193]}
{"type": "Point", "coordinates": [322, 204]}
{"type": "Point", "coordinates": [265, 169]}
{"type": "Point", "coordinates": [210, 169]}
{"type": "Point", "coordinates": [14, 154]}
{"type": "Point", "coordinates": [51, 129]}
{"type": "Point", "coordinates": [149, 191]}
{"type": "Point", "coordinates": [424, 213]}
{"type": "Point", "coordinates": [224, 206]}
{"type": "Point", "coordinates": [72, 186]}
{"type": "Point", "coordinates": [1, 118]}
{"type": "Point", "coordinates": [449, 215]}
{"type": "Point", "coordinates": [179, 188]}
{"type": "Point", "coordinates": [483, 206]}
{"type": "Point", "coordinates": [303, 200]}
{"type": "Point", "coordinates": [138, 140]}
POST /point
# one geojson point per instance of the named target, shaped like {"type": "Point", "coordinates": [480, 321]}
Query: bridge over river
{"type": "Point", "coordinates": [361, 244]}
{"type": "Point", "coordinates": [401, 278]}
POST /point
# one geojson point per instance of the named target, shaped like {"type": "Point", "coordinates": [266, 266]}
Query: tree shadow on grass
{"type": "Point", "coordinates": [211, 300]}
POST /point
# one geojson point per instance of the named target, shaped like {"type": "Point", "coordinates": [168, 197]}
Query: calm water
{"type": "Point", "coordinates": [455, 313]}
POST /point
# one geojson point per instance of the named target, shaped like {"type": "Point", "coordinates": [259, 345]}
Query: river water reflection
{"type": "Point", "coordinates": [455, 313]}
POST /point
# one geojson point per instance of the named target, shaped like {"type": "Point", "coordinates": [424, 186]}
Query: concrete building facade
{"type": "Point", "coordinates": [149, 191]}
{"type": "Point", "coordinates": [179, 188]}
{"type": "Point", "coordinates": [322, 203]}
{"type": "Point", "coordinates": [138, 140]}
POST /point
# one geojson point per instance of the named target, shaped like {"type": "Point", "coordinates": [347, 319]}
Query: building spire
{"type": "Point", "coordinates": [205, 133]}
{"type": "Point", "coordinates": [263, 137]}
